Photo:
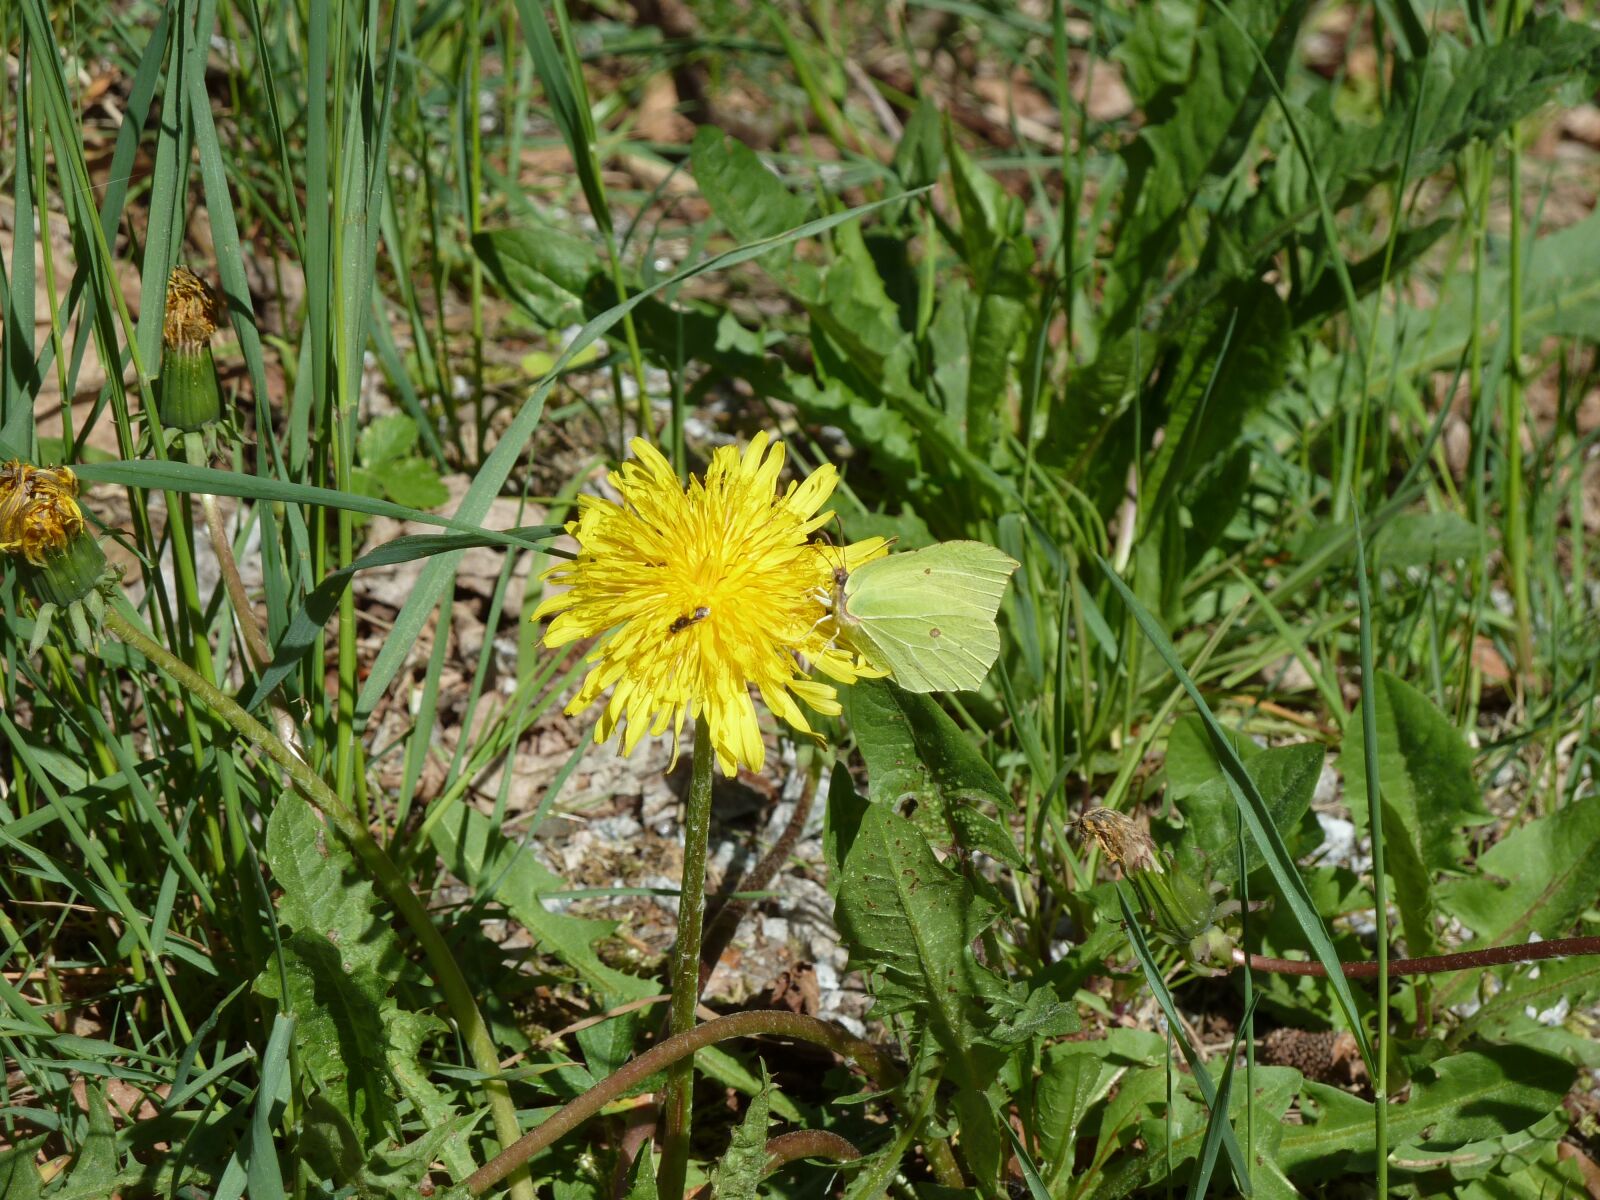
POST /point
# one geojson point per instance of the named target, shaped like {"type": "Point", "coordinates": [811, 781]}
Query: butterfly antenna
{"type": "Point", "coordinates": [844, 563]}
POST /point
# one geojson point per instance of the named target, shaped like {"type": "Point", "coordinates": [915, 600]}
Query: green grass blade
{"type": "Point", "coordinates": [1218, 1121]}
{"type": "Point", "coordinates": [184, 477]}
{"type": "Point", "coordinates": [1202, 1077]}
{"type": "Point", "coordinates": [1257, 820]}
{"type": "Point", "coordinates": [20, 381]}
{"type": "Point", "coordinates": [225, 233]}
{"type": "Point", "coordinates": [570, 116]}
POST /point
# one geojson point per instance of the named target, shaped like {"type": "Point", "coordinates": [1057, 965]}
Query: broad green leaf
{"type": "Point", "coordinates": [93, 1175]}
{"type": "Point", "coordinates": [414, 482]}
{"type": "Point", "coordinates": [398, 1174]}
{"type": "Point", "coordinates": [1205, 124]}
{"type": "Point", "coordinates": [922, 764]}
{"type": "Point", "coordinates": [609, 1044]}
{"type": "Point", "coordinates": [1530, 988]}
{"type": "Point", "coordinates": [642, 1175]}
{"type": "Point", "coordinates": [337, 967]}
{"type": "Point", "coordinates": [408, 1032]}
{"type": "Point", "coordinates": [328, 1144]}
{"type": "Point", "coordinates": [1076, 1076]}
{"type": "Point", "coordinates": [1001, 260]}
{"type": "Point", "coordinates": [1426, 539]}
{"type": "Point", "coordinates": [1535, 1171]}
{"type": "Point", "coordinates": [1192, 763]}
{"type": "Point", "coordinates": [1463, 1098]}
{"type": "Point", "coordinates": [326, 893]}
{"type": "Point", "coordinates": [503, 872]}
{"type": "Point", "coordinates": [1231, 360]}
{"type": "Point", "coordinates": [388, 438]}
{"type": "Point", "coordinates": [749, 200]}
{"type": "Point", "coordinates": [19, 1178]}
{"type": "Point", "coordinates": [1535, 880]}
{"type": "Point", "coordinates": [1429, 797]}
{"type": "Point", "coordinates": [1466, 94]}
{"type": "Point", "coordinates": [544, 270]}
{"type": "Point", "coordinates": [339, 1034]}
{"type": "Point", "coordinates": [907, 916]}
{"type": "Point", "coordinates": [921, 150]}
{"type": "Point", "coordinates": [739, 1173]}
{"type": "Point", "coordinates": [1286, 777]}
{"type": "Point", "coordinates": [1511, 1151]}
{"type": "Point", "coordinates": [983, 1146]}
{"type": "Point", "coordinates": [1157, 50]}
{"type": "Point", "coordinates": [1090, 436]}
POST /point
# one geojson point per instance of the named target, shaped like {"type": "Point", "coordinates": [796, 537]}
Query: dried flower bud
{"type": "Point", "coordinates": [190, 395]}
{"type": "Point", "coordinates": [1121, 838]}
{"type": "Point", "coordinates": [1183, 911]}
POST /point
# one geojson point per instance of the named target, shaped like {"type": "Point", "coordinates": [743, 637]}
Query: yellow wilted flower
{"type": "Point", "coordinates": [708, 591]}
{"type": "Point", "coordinates": [192, 313]}
{"type": "Point", "coordinates": [39, 514]}
{"type": "Point", "coordinates": [65, 569]}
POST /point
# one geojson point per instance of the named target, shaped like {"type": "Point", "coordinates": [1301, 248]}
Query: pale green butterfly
{"type": "Point", "coordinates": [927, 615]}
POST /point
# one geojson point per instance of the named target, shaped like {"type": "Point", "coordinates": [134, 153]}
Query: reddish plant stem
{"type": "Point", "coordinates": [875, 1061]}
{"type": "Point", "coordinates": [1465, 960]}
{"type": "Point", "coordinates": [807, 1143]}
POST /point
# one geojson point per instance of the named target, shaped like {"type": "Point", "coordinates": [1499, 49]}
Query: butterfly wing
{"type": "Point", "coordinates": [928, 615]}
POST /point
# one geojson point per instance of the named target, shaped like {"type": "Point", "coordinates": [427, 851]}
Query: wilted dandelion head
{"type": "Point", "coordinates": [707, 592]}
{"type": "Point", "coordinates": [193, 311]}
{"type": "Point", "coordinates": [1120, 837]}
{"type": "Point", "coordinates": [39, 514]}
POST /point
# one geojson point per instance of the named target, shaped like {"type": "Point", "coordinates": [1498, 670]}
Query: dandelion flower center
{"type": "Point", "coordinates": [706, 593]}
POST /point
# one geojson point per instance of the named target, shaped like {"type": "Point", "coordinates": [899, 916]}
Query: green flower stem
{"type": "Point", "coordinates": [686, 967]}
{"type": "Point", "coordinates": [447, 973]}
{"type": "Point", "coordinates": [681, 1049]}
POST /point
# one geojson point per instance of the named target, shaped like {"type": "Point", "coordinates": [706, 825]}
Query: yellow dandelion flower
{"type": "Point", "coordinates": [707, 592]}
{"type": "Point", "coordinates": [39, 514]}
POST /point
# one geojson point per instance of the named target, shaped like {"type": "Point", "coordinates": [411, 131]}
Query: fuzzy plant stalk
{"type": "Point", "coordinates": [679, 1098]}
{"type": "Point", "coordinates": [446, 971]}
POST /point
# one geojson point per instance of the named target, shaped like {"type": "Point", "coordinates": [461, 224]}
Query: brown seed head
{"type": "Point", "coordinates": [1123, 841]}
{"type": "Point", "coordinates": [193, 311]}
{"type": "Point", "coordinates": [39, 514]}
